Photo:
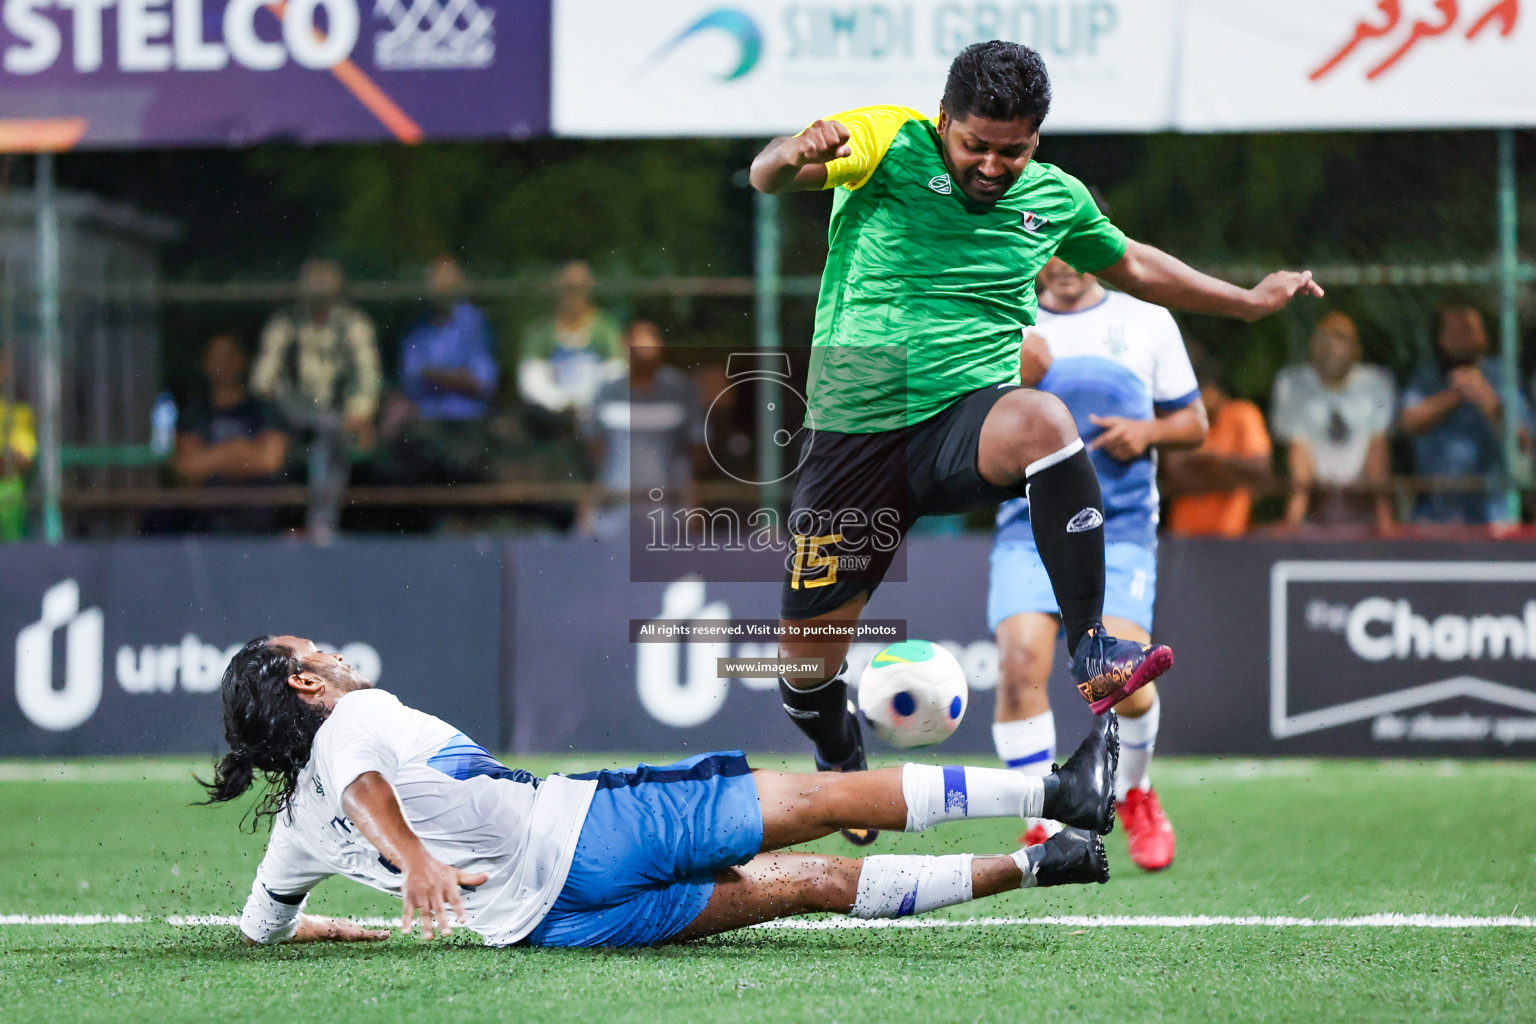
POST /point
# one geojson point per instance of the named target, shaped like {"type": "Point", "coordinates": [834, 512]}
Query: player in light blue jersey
{"type": "Point", "coordinates": [1120, 366]}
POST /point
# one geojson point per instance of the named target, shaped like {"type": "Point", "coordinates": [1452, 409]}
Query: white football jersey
{"type": "Point", "coordinates": [1121, 357]}
{"type": "Point", "coordinates": [1131, 334]}
{"type": "Point", "coordinates": [470, 811]}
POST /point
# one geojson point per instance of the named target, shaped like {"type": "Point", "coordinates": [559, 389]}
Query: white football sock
{"type": "Point", "coordinates": [1138, 738]}
{"type": "Point", "coordinates": [1027, 746]}
{"type": "Point", "coordinates": [896, 886]}
{"type": "Point", "coordinates": [954, 792]}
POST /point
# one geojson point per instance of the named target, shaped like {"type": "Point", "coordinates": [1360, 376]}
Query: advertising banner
{"type": "Point", "coordinates": [1366, 650]}
{"type": "Point", "coordinates": [1386, 649]}
{"type": "Point", "coordinates": [120, 649]}
{"type": "Point", "coordinates": [1381, 649]}
{"type": "Point", "coordinates": [767, 67]}
{"type": "Point", "coordinates": [581, 684]}
{"type": "Point", "coordinates": [118, 73]}
{"type": "Point", "coordinates": [1247, 65]}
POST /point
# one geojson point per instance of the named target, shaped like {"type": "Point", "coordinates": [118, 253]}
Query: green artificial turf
{"type": "Point", "coordinates": [1283, 838]}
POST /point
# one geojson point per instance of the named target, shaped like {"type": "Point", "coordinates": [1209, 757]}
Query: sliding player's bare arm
{"type": "Point", "coordinates": [314, 928]}
{"type": "Point", "coordinates": [1153, 276]}
{"type": "Point", "coordinates": [427, 884]}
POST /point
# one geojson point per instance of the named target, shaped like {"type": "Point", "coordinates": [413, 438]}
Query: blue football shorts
{"type": "Point", "coordinates": [652, 841]}
{"type": "Point", "coordinates": [1019, 582]}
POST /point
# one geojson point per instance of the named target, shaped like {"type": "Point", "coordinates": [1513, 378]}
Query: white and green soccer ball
{"type": "Point", "coordinates": [913, 694]}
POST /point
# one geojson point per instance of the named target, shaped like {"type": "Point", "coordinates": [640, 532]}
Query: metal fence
{"type": "Point", "coordinates": [125, 333]}
{"type": "Point", "coordinates": [107, 328]}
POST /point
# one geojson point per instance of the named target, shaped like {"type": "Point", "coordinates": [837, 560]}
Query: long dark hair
{"type": "Point", "coordinates": [268, 726]}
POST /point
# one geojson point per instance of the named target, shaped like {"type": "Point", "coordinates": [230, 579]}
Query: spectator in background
{"type": "Point", "coordinates": [1211, 485]}
{"type": "Point", "coordinates": [18, 428]}
{"type": "Point", "coordinates": [448, 376]}
{"type": "Point", "coordinates": [319, 364]}
{"type": "Point", "coordinates": [566, 358]}
{"type": "Point", "coordinates": [1454, 411]}
{"type": "Point", "coordinates": [230, 437]}
{"type": "Point", "coordinates": [728, 427]}
{"type": "Point", "coordinates": [646, 430]}
{"type": "Point", "coordinates": [18, 449]}
{"type": "Point", "coordinates": [1334, 413]}
{"type": "Point", "coordinates": [321, 357]}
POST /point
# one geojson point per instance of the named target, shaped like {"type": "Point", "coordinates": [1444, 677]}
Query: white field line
{"type": "Point", "coordinates": [1176, 771]}
{"type": "Point", "coordinates": [69, 919]}
{"type": "Point", "coordinates": [219, 921]}
{"type": "Point", "coordinates": [826, 924]}
{"type": "Point", "coordinates": [1162, 921]}
{"type": "Point", "coordinates": [125, 771]}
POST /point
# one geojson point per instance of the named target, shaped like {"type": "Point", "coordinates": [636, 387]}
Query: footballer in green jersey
{"type": "Point", "coordinates": [939, 226]}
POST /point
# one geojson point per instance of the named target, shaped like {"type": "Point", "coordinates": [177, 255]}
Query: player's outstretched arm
{"type": "Point", "coordinates": [794, 163]}
{"type": "Point", "coordinates": [1152, 275]}
{"type": "Point", "coordinates": [426, 883]}
{"type": "Point", "coordinates": [314, 928]}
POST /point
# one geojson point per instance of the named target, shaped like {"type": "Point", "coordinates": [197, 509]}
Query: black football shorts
{"type": "Point", "coordinates": [857, 495]}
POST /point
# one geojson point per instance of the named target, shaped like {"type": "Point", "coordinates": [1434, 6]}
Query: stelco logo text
{"type": "Point", "coordinates": [258, 35]}
{"type": "Point", "coordinates": [1383, 629]}
{"type": "Point", "coordinates": [158, 35]}
{"type": "Point", "coordinates": [151, 668]}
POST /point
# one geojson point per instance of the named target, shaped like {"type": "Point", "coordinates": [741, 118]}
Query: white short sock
{"type": "Point", "coordinates": [896, 886]}
{"type": "Point", "coordinates": [1138, 738]}
{"type": "Point", "coordinates": [1028, 865]}
{"type": "Point", "coordinates": [1028, 745]}
{"type": "Point", "coordinates": [954, 793]}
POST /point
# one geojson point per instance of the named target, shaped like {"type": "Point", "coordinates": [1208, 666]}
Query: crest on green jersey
{"type": "Point", "coordinates": [941, 184]}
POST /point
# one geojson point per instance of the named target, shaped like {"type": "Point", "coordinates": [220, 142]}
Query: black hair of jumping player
{"type": "Point", "coordinates": [268, 726]}
{"type": "Point", "coordinates": [998, 80]}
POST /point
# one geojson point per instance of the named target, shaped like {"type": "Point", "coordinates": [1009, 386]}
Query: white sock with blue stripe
{"type": "Point", "coordinates": [954, 792]}
{"type": "Point", "coordinates": [1138, 739]}
{"type": "Point", "coordinates": [893, 885]}
{"type": "Point", "coordinates": [1028, 745]}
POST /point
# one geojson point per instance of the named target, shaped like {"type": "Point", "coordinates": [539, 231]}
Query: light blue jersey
{"type": "Point", "coordinates": [1122, 357]}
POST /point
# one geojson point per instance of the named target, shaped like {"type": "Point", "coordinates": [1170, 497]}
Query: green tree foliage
{"type": "Point", "coordinates": [1319, 199]}
{"type": "Point", "coordinates": [678, 206]}
{"type": "Point", "coordinates": [633, 207]}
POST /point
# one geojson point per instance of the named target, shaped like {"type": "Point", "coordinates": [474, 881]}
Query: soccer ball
{"type": "Point", "coordinates": [913, 694]}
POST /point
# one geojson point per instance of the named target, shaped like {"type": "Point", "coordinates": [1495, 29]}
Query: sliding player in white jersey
{"type": "Point", "coordinates": [361, 785]}
{"type": "Point", "coordinates": [1120, 366]}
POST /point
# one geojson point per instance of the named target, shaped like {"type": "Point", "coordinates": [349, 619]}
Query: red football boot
{"type": "Point", "coordinates": [1148, 835]}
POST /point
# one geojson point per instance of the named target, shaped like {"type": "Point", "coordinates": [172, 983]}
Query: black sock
{"type": "Point", "coordinates": [1066, 512]}
{"type": "Point", "coordinates": [822, 714]}
{"type": "Point", "coordinates": [1052, 784]}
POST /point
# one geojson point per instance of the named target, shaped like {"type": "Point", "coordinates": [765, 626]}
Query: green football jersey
{"type": "Point", "coordinates": [926, 294]}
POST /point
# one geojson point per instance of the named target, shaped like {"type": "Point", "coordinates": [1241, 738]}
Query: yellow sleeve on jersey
{"type": "Point", "coordinates": [871, 131]}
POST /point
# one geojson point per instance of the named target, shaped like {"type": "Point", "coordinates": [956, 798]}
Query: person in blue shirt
{"type": "Point", "coordinates": [447, 370]}
{"type": "Point", "coordinates": [448, 378]}
{"type": "Point", "coordinates": [1454, 411]}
